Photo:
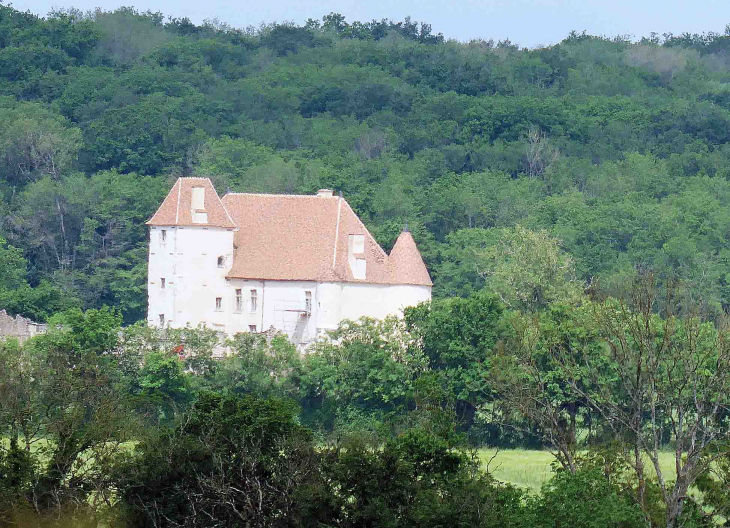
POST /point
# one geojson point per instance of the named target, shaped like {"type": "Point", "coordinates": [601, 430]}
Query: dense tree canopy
{"type": "Point", "coordinates": [617, 148]}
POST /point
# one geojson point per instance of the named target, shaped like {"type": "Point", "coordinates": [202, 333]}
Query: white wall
{"type": "Point", "coordinates": [188, 261]}
{"type": "Point", "coordinates": [284, 307]}
{"type": "Point", "coordinates": [281, 304]}
{"type": "Point", "coordinates": [379, 300]}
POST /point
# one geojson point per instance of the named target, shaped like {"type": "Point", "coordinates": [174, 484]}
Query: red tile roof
{"type": "Point", "coordinates": [176, 209]}
{"type": "Point", "coordinates": [295, 237]}
{"type": "Point", "coordinates": [408, 266]}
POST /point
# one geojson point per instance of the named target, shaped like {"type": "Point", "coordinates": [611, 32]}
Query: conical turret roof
{"type": "Point", "coordinates": [407, 264]}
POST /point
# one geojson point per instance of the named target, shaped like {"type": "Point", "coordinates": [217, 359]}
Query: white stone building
{"type": "Point", "coordinates": [249, 262]}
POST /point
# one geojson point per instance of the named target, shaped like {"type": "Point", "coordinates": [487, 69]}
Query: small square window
{"type": "Point", "coordinates": [221, 261]}
{"type": "Point", "coordinates": [254, 300]}
{"type": "Point", "coordinates": [219, 303]}
{"type": "Point", "coordinates": [163, 236]}
{"type": "Point", "coordinates": [251, 328]}
{"type": "Point", "coordinates": [162, 283]}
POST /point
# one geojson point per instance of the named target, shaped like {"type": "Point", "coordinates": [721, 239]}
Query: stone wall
{"type": "Point", "coordinates": [19, 327]}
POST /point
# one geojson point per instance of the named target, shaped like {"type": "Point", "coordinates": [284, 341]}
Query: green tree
{"type": "Point", "coordinates": [529, 270]}
{"type": "Point", "coordinates": [458, 337]}
{"type": "Point", "coordinates": [366, 370]}
{"type": "Point", "coordinates": [163, 384]}
{"type": "Point", "coordinates": [658, 375]}
{"type": "Point", "coordinates": [233, 461]}
{"type": "Point", "coordinates": [588, 499]}
{"type": "Point", "coordinates": [258, 366]}
{"type": "Point", "coordinates": [74, 399]}
{"type": "Point", "coordinates": [532, 384]}
{"type": "Point", "coordinates": [36, 143]}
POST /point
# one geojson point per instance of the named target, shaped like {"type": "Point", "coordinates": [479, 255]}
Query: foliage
{"type": "Point", "coordinates": [234, 462]}
{"type": "Point", "coordinates": [457, 336]}
{"type": "Point", "coordinates": [530, 381]}
{"type": "Point", "coordinates": [365, 365]}
{"type": "Point", "coordinates": [714, 485]}
{"type": "Point", "coordinates": [656, 378]}
{"type": "Point", "coordinates": [525, 176]}
{"type": "Point", "coordinates": [529, 270]}
{"type": "Point", "coordinates": [588, 499]}
{"type": "Point", "coordinates": [417, 480]}
{"type": "Point", "coordinates": [258, 365]}
{"type": "Point", "coordinates": [64, 400]}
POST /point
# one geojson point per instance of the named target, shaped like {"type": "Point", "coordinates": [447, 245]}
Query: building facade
{"type": "Point", "coordinates": [249, 262]}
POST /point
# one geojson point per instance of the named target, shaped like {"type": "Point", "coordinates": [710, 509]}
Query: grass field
{"type": "Point", "coordinates": [530, 469]}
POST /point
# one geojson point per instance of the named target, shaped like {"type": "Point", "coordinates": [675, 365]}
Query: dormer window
{"type": "Point", "coordinates": [221, 261]}
{"type": "Point", "coordinates": [197, 202]}
{"type": "Point", "coordinates": [355, 254]}
{"type": "Point", "coordinates": [197, 205]}
{"type": "Point", "coordinates": [358, 243]}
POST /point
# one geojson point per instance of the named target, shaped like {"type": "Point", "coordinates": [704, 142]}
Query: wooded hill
{"type": "Point", "coordinates": [619, 148]}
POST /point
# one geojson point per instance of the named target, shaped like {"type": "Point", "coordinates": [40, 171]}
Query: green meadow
{"type": "Point", "coordinates": [530, 469]}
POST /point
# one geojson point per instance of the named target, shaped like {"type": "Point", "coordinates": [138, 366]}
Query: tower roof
{"type": "Point", "coordinates": [177, 208]}
{"type": "Point", "coordinates": [406, 262]}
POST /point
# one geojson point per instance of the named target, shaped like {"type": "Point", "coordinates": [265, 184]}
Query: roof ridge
{"type": "Point", "coordinates": [273, 195]}
{"type": "Point", "coordinates": [337, 231]}
{"type": "Point", "coordinates": [178, 183]}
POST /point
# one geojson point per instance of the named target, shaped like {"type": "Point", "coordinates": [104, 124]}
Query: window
{"type": "Point", "coordinates": [308, 302]}
{"type": "Point", "coordinates": [221, 261]}
{"type": "Point", "coordinates": [239, 300]}
{"type": "Point", "coordinates": [254, 300]}
{"type": "Point", "coordinates": [251, 328]}
{"type": "Point", "coordinates": [219, 303]}
{"type": "Point", "coordinates": [162, 283]}
{"type": "Point", "coordinates": [163, 236]}
{"type": "Point", "coordinates": [162, 320]}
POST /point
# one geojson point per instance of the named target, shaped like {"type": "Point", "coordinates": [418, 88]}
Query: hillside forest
{"type": "Point", "coordinates": [618, 148]}
{"type": "Point", "coordinates": [570, 202]}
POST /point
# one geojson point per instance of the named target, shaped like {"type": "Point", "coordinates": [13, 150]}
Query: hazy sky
{"type": "Point", "coordinates": [526, 22]}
